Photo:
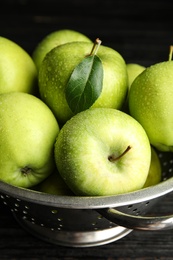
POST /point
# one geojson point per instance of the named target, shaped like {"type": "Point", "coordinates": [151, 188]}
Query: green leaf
{"type": "Point", "coordinates": [85, 84]}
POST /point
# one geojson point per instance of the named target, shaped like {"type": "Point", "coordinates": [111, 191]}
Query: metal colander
{"type": "Point", "coordinates": [89, 221]}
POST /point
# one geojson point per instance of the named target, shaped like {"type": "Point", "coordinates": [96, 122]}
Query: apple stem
{"type": "Point", "coordinates": [112, 158]}
{"type": "Point", "coordinates": [170, 52]}
{"type": "Point", "coordinates": [95, 47]}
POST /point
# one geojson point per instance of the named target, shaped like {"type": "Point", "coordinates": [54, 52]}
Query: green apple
{"type": "Point", "coordinates": [28, 130]}
{"type": "Point", "coordinates": [133, 70]}
{"type": "Point", "coordinates": [103, 151]}
{"type": "Point", "coordinates": [155, 171]}
{"type": "Point", "coordinates": [54, 39]}
{"type": "Point", "coordinates": [17, 69]}
{"type": "Point", "coordinates": [150, 103]}
{"type": "Point", "coordinates": [54, 184]}
{"type": "Point", "coordinates": [58, 66]}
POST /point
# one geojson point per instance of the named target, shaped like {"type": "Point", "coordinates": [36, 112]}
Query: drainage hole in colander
{"type": "Point", "coordinates": [3, 198]}
{"type": "Point", "coordinates": [131, 206]}
{"type": "Point", "coordinates": [94, 225]}
{"type": "Point", "coordinates": [135, 210]}
{"type": "Point", "coordinates": [58, 228]}
{"type": "Point", "coordinates": [54, 211]}
{"type": "Point", "coordinates": [32, 220]}
{"type": "Point", "coordinates": [100, 217]}
{"type": "Point", "coordinates": [59, 219]}
{"type": "Point", "coordinates": [4, 202]}
{"type": "Point", "coordinates": [25, 212]}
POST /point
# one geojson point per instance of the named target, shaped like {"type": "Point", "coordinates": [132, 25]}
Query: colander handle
{"type": "Point", "coordinates": [138, 222]}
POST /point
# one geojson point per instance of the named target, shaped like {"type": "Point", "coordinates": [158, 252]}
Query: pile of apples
{"type": "Point", "coordinates": [76, 119]}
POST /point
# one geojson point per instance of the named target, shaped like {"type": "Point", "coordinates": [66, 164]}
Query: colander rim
{"type": "Point", "coordinates": [87, 202]}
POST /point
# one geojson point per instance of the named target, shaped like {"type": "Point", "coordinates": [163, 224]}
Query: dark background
{"type": "Point", "coordinates": [142, 32]}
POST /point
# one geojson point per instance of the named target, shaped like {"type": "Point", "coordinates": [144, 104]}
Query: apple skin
{"type": "Point", "coordinates": [54, 39]}
{"type": "Point", "coordinates": [28, 132]}
{"type": "Point", "coordinates": [85, 144]}
{"type": "Point", "coordinates": [133, 70]}
{"type": "Point", "coordinates": [17, 69]}
{"type": "Point", "coordinates": [155, 171]}
{"type": "Point", "coordinates": [58, 65]}
{"type": "Point", "coordinates": [54, 184]}
{"type": "Point", "coordinates": [150, 103]}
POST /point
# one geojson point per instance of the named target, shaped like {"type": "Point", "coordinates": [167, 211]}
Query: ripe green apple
{"type": "Point", "coordinates": [28, 130]}
{"type": "Point", "coordinates": [151, 103]}
{"type": "Point", "coordinates": [155, 171]}
{"type": "Point", "coordinates": [58, 66]}
{"type": "Point", "coordinates": [54, 184]}
{"type": "Point", "coordinates": [54, 39]}
{"type": "Point", "coordinates": [133, 70]}
{"type": "Point", "coordinates": [103, 151]}
{"type": "Point", "coordinates": [17, 69]}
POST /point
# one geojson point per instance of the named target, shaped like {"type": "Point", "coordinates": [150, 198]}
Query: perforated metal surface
{"type": "Point", "coordinates": [66, 219]}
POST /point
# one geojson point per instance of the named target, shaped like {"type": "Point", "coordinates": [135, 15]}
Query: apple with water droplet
{"type": "Point", "coordinates": [54, 39]}
{"type": "Point", "coordinates": [54, 184]}
{"type": "Point", "coordinates": [155, 171]}
{"type": "Point", "coordinates": [17, 69]}
{"type": "Point", "coordinates": [133, 70]}
{"type": "Point", "coordinates": [58, 66]}
{"type": "Point", "coordinates": [151, 103]}
{"type": "Point", "coordinates": [28, 131]}
{"type": "Point", "coordinates": [103, 151]}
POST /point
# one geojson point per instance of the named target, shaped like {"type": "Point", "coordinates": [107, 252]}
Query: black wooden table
{"type": "Point", "coordinates": [142, 32]}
